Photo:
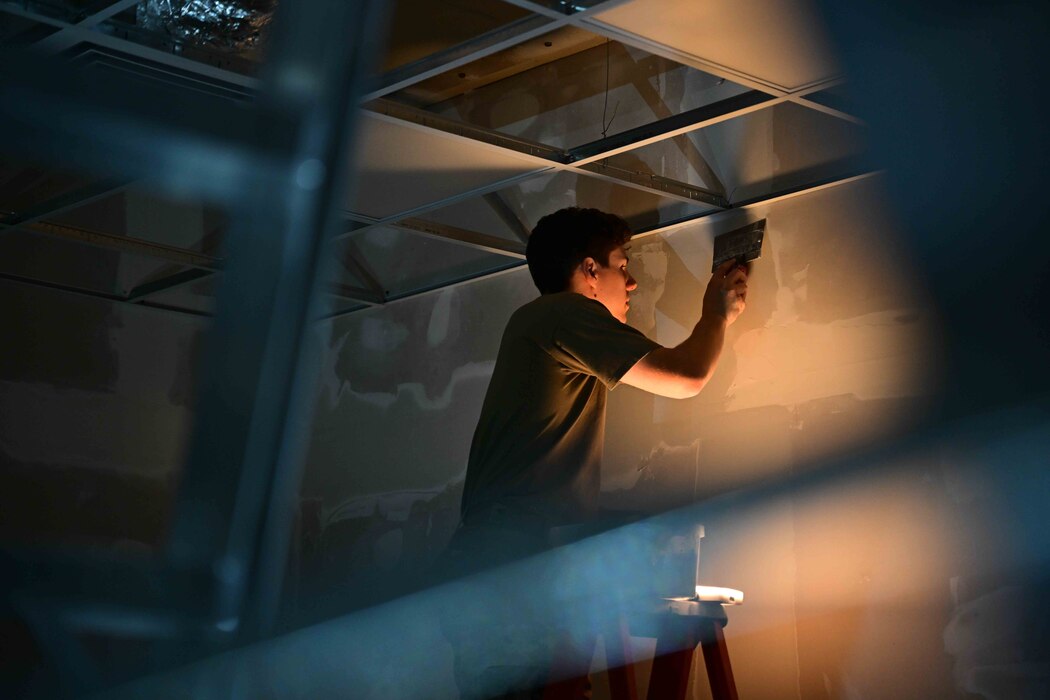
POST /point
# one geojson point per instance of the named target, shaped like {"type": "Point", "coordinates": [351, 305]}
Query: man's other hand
{"type": "Point", "coordinates": [726, 293]}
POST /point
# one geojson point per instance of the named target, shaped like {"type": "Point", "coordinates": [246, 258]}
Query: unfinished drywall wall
{"type": "Point", "coordinates": [837, 350]}
{"type": "Point", "coordinates": [95, 397]}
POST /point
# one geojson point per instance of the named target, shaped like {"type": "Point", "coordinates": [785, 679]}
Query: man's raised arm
{"type": "Point", "coordinates": [682, 371]}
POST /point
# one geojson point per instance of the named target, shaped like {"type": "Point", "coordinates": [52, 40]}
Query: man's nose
{"type": "Point", "coordinates": [632, 283]}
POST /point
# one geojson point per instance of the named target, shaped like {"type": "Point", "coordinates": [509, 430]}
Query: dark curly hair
{"type": "Point", "coordinates": [563, 239]}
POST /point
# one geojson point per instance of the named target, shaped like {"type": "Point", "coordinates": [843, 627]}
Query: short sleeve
{"type": "Point", "coordinates": [588, 339]}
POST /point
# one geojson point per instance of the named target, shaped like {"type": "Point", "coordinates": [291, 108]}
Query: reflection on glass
{"type": "Point", "coordinates": [763, 152]}
{"type": "Point", "coordinates": [405, 262]}
{"type": "Point", "coordinates": [568, 88]}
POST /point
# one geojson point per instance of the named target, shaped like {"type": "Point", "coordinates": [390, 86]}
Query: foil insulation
{"type": "Point", "coordinates": [228, 25]}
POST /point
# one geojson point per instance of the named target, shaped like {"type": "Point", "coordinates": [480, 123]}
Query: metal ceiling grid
{"type": "Point", "coordinates": [393, 193]}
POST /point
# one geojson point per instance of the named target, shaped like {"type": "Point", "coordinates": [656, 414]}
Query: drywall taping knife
{"type": "Point", "coordinates": [744, 244]}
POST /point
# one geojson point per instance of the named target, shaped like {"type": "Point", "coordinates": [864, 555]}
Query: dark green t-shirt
{"type": "Point", "coordinates": [537, 449]}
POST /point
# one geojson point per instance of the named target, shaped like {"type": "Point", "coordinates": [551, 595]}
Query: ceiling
{"type": "Point", "coordinates": [485, 115]}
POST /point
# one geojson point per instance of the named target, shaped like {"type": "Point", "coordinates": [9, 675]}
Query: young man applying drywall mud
{"type": "Point", "coordinates": [535, 460]}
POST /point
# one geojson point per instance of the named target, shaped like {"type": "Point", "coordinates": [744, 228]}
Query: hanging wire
{"type": "Point", "coordinates": [605, 108]}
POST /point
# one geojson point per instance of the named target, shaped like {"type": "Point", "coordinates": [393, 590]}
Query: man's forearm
{"type": "Point", "coordinates": [682, 371]}
{"type": "Point", "coordinates": [697, 355]}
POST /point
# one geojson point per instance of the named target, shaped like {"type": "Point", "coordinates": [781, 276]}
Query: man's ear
{"type": "Point", "coordinates": [589, 267]}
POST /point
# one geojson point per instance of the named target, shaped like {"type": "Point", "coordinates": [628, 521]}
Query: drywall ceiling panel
{"type": "Point", "coordinates": [758, 154]}
{"type": "Point", "coordinates": [778, 43]}
{"type": "Point", "coordinates": [400, 167]}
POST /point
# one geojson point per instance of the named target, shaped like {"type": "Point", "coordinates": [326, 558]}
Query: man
{"type": "Point", "coordinates": [535, 461]}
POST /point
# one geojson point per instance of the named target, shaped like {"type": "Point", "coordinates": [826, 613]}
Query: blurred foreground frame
{"type": "Point", "coordinates": [947, 94]}
{"type": "Point", "coordinates": [219, 579]}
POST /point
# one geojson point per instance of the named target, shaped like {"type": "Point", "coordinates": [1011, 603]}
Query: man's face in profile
{"type": "Point", "coordinates": [615, 283]}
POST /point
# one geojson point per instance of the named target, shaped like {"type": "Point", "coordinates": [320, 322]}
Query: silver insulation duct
{"type": "Point", "coordinates": [230, 25]}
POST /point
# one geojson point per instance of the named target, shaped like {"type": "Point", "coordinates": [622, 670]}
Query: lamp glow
{"type": "Point", "coordinates": [717, 594]}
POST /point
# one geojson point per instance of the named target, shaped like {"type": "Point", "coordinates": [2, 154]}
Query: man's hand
{"type": "Point", "coordinates": [683, 370]}
{"type": "Point", "coordinates": [726, 293]}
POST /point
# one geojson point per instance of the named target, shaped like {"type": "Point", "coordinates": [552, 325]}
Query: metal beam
{"type": "Point", "coordinates": [165, 284]}
{"type": "Point", "coordinates": [831, 111]}
{"type": "Point", "coordinates": [438, 286]}
{"type": "Point", "coordinates": [66, 36]}
{"type": "Point", "coordinates": [452, 199]}
{"type": "Point", "coordinates": [141, 293]}
{"type": "Point", "coordinates": [567, 11]}
{"type": "Point", "coordinates": [764, 201]}
{"type": "Point", "coordinates": [480, 241]}
{"type": "Point", "coordinates": [369, 297]}
{"type": "Point", "coordinates": [66, 201]}
{"type": "Point", "coordinates": [123, 244]}
{"type": "Point", "coordinates": [681, 123]}
{"type": "Point", "coordinates": [95, 295]}
{"type": "Point", "coordinates": [655, 184]}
